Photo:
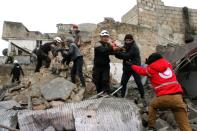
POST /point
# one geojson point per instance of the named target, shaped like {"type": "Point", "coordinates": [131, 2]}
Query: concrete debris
{"type": "Point", "coordinates": [58, 104]}
{"type": "Point", "coordinates": [79, 96]}
{"type": "Point", "coordinates": [57, 89]}
{"type": "Point", "coordinates": [8, 105]}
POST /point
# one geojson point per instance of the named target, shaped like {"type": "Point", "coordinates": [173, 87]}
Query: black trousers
{"type": "Point", "coordinates": [125, 78]}
{"type": "Point", "coordinates": [15, 78]}
{"type": "Point", "coordinates": [101, 78]}
{"type": "Point", "coordinates": [77, 69]}
{"type": "Point", "coordinates": [40, 59]}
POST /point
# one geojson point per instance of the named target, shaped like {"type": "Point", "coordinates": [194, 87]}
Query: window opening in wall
{"type": "Point", "coordinates": [38, 43]}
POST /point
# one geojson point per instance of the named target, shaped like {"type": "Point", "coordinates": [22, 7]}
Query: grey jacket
{"type": "Point", "coordinates": [73, 51]}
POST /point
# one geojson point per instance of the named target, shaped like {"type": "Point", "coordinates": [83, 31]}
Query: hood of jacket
{"type": "Point", "coordinates": [160, 65]}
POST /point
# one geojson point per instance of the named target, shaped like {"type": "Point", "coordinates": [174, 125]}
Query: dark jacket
{"type": "Point", "coordinates": [101, 54]}
{"type": "Point", "coordinates": [131, 54]}
{"type": "Point", "coordinates": [44, 49]}
{"type": "Point", "coordinates": [73, 51]}
{"type": "Point", "coordinates": [17, 70]}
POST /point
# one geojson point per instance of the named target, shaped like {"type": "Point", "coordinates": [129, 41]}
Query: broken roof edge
{"type": "Point", "coordinates": [19, 31]}
{"type": "Point", "coordinates": [21, 38]}
{"type": "Point", "coordinates": [16, 23]}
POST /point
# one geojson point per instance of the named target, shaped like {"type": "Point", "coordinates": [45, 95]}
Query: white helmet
{"type": "Point", "coordinates": [104, 33]}
{"type": "Point", "coordinates": [58, 39]}
{"type": "Point", "coordinates": [15, 61]}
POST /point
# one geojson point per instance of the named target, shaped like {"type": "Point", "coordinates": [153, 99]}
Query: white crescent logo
{"type": "Point", "coordinates": [166, 74]}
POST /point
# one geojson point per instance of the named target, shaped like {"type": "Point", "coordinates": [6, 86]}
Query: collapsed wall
{"type": "Point", "coordinates": [144, 37]}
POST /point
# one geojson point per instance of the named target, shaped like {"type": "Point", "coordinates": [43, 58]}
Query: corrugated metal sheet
{"type": "Point", "coordinates": [105, 114]}
{"type": "Point", "coordinates": [108, 115]}
{"type": "Point", "coordinates": [8, 118]}
{"type": "Point", "coordinates": [60, 118]}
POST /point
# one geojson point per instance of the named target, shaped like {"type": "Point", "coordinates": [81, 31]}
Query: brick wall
{"type": "Point", "coordinates": [131, 16]}
{"type": "Point", "coordinates": [167, 21]}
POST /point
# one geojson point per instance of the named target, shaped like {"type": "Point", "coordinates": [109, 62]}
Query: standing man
{"type": "Point", "coordinates": [168, 91]}
{"type": "Point", "coordinates": [131, 54]}
{"type": "Point", "coordinates": [16, 72]}
{"type": "Point", "coordinates": [101, 68]}
{"type": "Point", "coordinates": [75, 32]}
{"type": "Point", "coordinates": [75, 55]}
{"type": "Point", "coordinates": [43, 53]}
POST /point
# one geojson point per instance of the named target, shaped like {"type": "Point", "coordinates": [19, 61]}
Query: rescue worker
{"type": "Point", "coordinates": [16, 72]}
{"type": "Point", "coordinates": [130, 53]}
{"type": "Point", "coordinates": [43, 53]}
{"type": "Point", "coordinates": [75, 55]}
{"type": "Point", "coordinates": [101, 68]}
{"type": "Point", "coordinates": [168, 91]}
{"type": "Point", "coordinates": [75, 32]}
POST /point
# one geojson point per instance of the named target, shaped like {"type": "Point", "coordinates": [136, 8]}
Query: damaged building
{"type": "Point", "coordinates": [151, 22]}
{"type": "Point", "coordinates": [169, 30]}
{"type": "Point", "coordinates": [24, 41]}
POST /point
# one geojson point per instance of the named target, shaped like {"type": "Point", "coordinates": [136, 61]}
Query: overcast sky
{"type": "Point", "coordinates": [43, 15]}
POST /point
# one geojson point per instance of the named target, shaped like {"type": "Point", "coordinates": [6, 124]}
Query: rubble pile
{"type": "Point", "coordinates": [44, 100]}
{"type": "Point", "coordinates": [43, 90]}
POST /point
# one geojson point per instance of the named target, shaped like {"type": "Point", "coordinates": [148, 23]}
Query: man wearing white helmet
{"type": "Point", "coordinates": [43, 51]}
{"type": "Point", "coordinates": [58, 40]}
{"type": "Point", "coordinates": [101, 68]}
{"type": "Point", "coordinates": [16, 72]}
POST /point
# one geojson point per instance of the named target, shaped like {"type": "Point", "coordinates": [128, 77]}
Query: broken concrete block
{"type": "Point", "coordinates": [39, 107]}
{"type": "Point", "coordinates": [79, 96]}
{"type": "Point", "coordinates": [35, 91]}
{"type": "Point", "coordinates": [21, 99]}
{"type": "Point", "coordinates": [56, 103]}
{"type": "Point", "coordinates": [58, 88]}
{"type": "Point", "coordinates": [6, 105]}
{"type": "Point", "coordinates": [160, 124]}
{"type": "Point", "coordinates": [90, 87]}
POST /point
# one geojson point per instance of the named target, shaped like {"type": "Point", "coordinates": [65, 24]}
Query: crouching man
{"type": "Point", "coordinates": [168, 91]}
{"type": "Point", "coordinates": [75, 55]}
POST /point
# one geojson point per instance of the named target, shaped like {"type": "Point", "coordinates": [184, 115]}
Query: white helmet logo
{"type": "Point", "coordinates": [166, 74]}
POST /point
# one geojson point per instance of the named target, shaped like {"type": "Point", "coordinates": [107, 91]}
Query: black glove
{"type": "Point", "coordinates": [146, 61]}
